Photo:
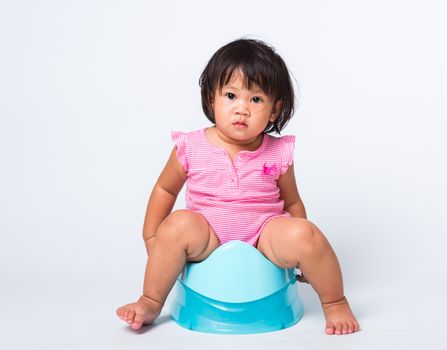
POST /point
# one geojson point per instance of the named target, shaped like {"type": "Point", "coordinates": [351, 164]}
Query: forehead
{"type": "Point", "coordinates": [238, 81]}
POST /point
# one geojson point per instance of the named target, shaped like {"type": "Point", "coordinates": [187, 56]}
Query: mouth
{"type": "Point", "coordinates": [239, 125]}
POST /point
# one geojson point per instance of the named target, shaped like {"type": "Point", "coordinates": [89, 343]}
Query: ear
{"type": "Point", "coordinates": [276, 110]}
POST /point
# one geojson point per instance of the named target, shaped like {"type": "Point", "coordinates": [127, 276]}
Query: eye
{"type": "Point", "coordinates": [230, 95]}
{"type": "Point", "coordinates": [257, 99]}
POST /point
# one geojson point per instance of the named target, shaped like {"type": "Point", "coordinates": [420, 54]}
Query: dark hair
{"type": "Point", "coordinates": [260, 65]}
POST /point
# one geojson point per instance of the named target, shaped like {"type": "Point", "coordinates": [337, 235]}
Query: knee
{"type": "Point", "coordinates": [304, 235]}
{"type": "Point", "coordinates": [175, 225]}
{"type": "Point", "coordinates": [300, 240]}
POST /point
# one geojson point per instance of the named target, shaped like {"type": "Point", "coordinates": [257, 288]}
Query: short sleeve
{"type": "Point", "coordinates": [287, 148]}
{"type": "Point", "coordinates": [179, 139]}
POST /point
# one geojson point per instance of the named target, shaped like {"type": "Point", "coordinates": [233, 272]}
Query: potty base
{"type": "Point", "coordinates": [276, 311]}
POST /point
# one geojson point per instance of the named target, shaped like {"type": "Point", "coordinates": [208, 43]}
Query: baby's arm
{"type": "Point", "coordinates": [289, 194]}
{"type": "Point", "coordinates": [163, 197]}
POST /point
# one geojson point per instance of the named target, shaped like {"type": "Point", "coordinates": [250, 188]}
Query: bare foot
{"type": "Point", "coordinates": [144, 311]}
{"type": "Point", "coordinates": [339, 317]}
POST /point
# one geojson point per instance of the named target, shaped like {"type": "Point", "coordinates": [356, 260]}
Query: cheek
{"type": "Point", "coordinates": [221, 107]}
{"type": "Point", "coordinates": [263, 112]}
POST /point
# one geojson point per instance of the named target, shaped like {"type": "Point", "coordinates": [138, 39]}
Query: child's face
{"type": "Point", "coordinates": [241, 115]}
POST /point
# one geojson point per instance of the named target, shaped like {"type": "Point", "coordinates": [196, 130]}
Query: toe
{"type": "Point", "coordinates": [356, 326]}
{"type": "Point", "coordinates": [330, 328]}
{"type": "Point", "coordinates": [127, 315]}
{"type": "Point", "coordinates": [345, 327]}
{"type": "Point", "coordinates": [338, 327]}
{"type": "Point", "coordinates": [351, 327]}
{"type": "Point", "coordinates": [131, 316]}
{"type": "Point", "coordinates": [138, 321]}
{"type": "Point", "coordinates": [121, 312]}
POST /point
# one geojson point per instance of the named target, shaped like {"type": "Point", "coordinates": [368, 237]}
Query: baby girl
{"type": "Point", "coordinates": [240, 185]}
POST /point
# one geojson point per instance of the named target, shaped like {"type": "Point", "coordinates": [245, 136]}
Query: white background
{"type": "Point", "coordinates": [89, 92]}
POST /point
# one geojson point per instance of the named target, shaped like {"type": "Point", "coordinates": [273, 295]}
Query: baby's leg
{"type": "Point", "coordinates": [183, 236]}
{"type": "Point", "coordinates": [295, 242]}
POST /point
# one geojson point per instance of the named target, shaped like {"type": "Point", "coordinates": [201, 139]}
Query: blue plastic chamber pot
{"type": "Point", "coordinates": [236, 290]}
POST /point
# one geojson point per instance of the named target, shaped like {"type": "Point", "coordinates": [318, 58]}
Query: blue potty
{"type": "Point", "coordinates": [236, 290]}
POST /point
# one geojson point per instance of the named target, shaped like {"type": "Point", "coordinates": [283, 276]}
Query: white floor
{"type": "Point", "coordinates": [79, 314]}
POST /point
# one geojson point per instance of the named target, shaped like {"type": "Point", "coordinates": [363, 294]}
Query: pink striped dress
{"type": "Point", "coordinates": [236, 198]}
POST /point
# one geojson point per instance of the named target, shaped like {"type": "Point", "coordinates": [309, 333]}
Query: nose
{"type": "Point", "coordinates": [242, 108]}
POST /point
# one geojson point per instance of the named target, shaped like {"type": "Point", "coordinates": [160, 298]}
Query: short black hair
{"type": "Point", "coordinates": [260, 65]}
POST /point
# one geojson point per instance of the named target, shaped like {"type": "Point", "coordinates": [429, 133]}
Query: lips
{"type": "Point", "coordinates": [239, 125]}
